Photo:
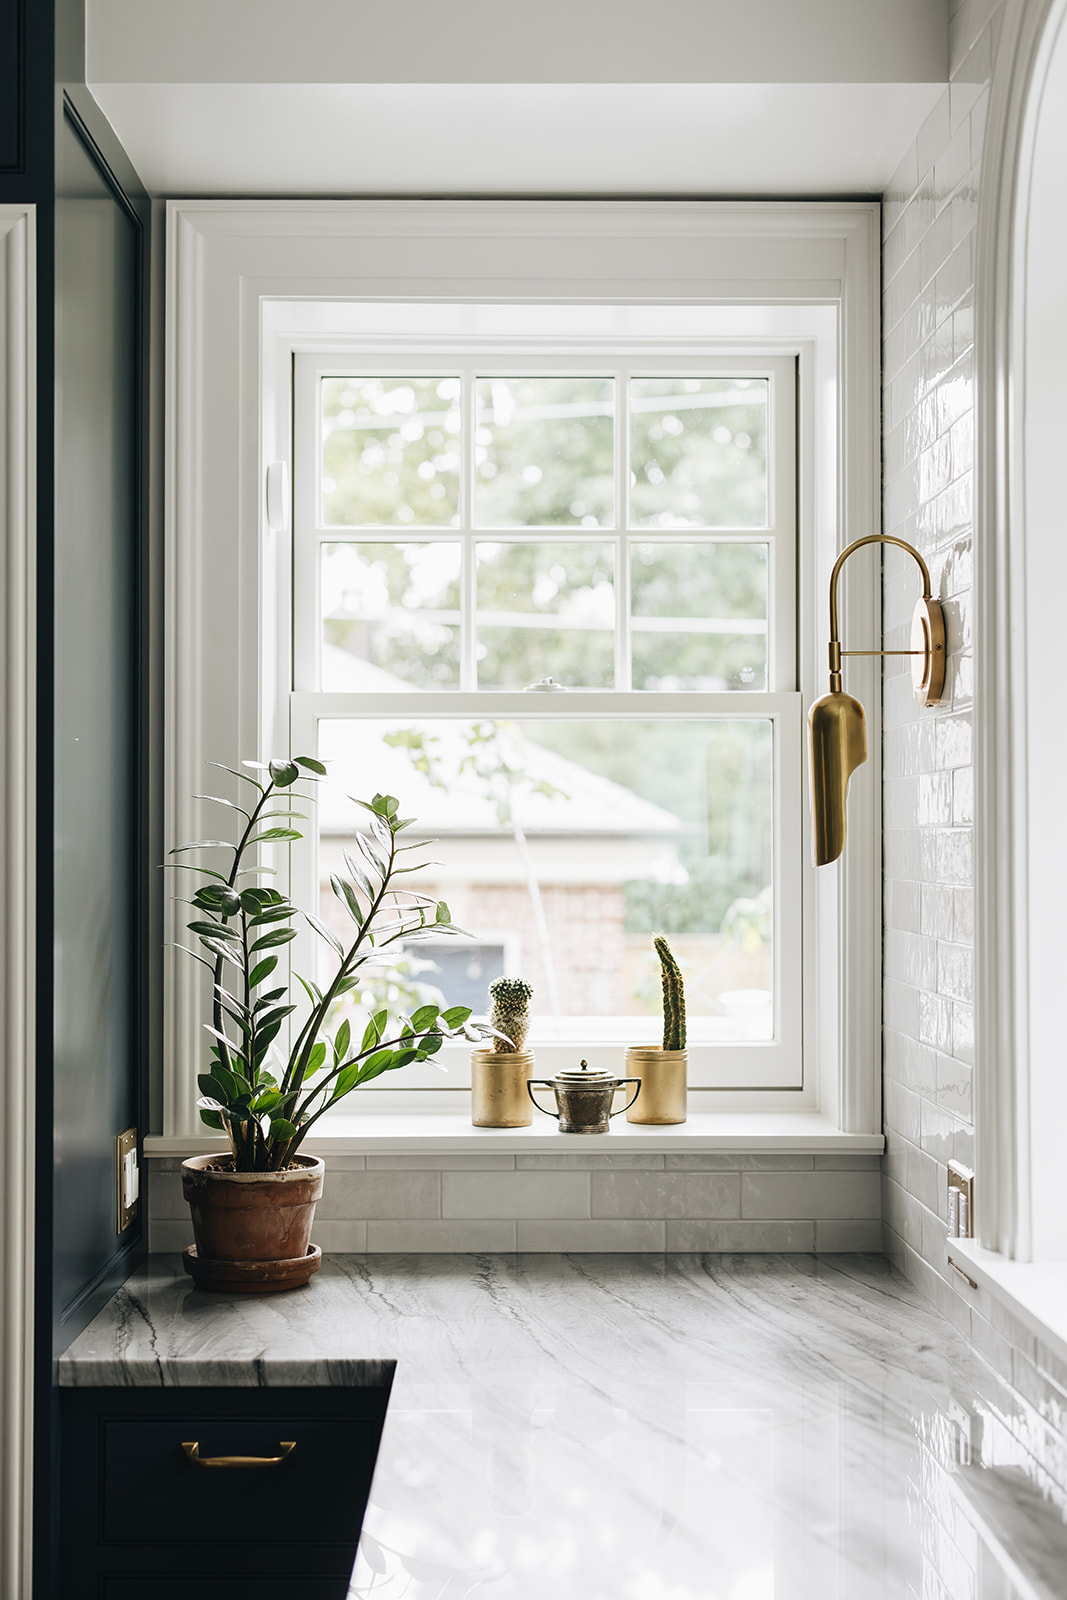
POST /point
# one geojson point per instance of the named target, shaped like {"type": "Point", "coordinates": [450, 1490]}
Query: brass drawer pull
{"type": "Point", "coordinates": [195, 1459]}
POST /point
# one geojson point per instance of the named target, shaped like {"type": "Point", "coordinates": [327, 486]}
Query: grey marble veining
{"type": "Point", "coordinates": [616, 1427]}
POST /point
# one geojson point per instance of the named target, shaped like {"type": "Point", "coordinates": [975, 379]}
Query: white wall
{"type": "Point", "coordinates": [485, 41]}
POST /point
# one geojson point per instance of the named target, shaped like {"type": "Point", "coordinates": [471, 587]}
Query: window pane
{"type": "Point", "coordinates": [544, 453]}
{"type": "Point", "coordinates": [562, 848]}
{"type": "Point", "coordinates": [390, 616]}
{"type": "Point", "coordinates": [698, 452]}
{"type": "Point", "coordinates": [546, 610]}
{"type": "Point", "coordinates": [390, 452]}
{"type": "Point", "coordinates": [699, 616]}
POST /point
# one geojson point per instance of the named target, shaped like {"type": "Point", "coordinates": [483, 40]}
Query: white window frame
{"type": "Point", "coordinates": [774, 1064]}
{"type": "Point", "coordinates": [250, 284]}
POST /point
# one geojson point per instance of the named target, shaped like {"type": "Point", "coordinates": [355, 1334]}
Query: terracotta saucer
{"type": "Point", "coordinates": [251, 1277]}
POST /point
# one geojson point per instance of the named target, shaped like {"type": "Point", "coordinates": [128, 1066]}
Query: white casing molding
{"type": "Point", "coordinates": [238, 274]}
{"type": "Point", "coordinates": [1029, 30]}
{"type": "Point", "coordinates": [17, 889]}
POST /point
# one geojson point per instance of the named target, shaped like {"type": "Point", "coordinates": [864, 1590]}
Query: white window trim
{"type": "Point", "coordinates": [243, 282]}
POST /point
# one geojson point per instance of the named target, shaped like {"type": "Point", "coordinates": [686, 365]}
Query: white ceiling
{"type": "Point", "coordinates": [483, 98]}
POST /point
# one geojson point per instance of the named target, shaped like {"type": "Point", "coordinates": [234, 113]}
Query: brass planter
{"type": "Point", "coordinates": [498, 1089]}
{"type": "Point", "coordinates": [663, 1084]}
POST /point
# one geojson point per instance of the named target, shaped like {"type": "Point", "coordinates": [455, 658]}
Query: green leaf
{"type": "Point", "coordinates": [261, 970]}
{"type": "Point", "coordinates": [443, 914]}
{"type": "Point", "coordinates": [375, 1028]}
{"type": "Point", "coordinates": [219, 898]}
{"type": "Point", "coordinates": [325, 933]}
{"type": "Point", "coordinates": [312, 990]}
{"type": "Point", "coordinates": [341, 1039]}
{"type": "Point", "coordinates": [268, 999]}
{"type": "Point", "coordinates": [202, 844]}
{"type": "Point", "coordinates": [277, 936]}
{"type": "Point", "coordinates": [266, 1036]}
{"type": "Point", "coordinates": [311, 764]}
{"type": "Point", "coordinates": [424, 1018]}
{"type": "Point", "coordinates": [282, 1129]}
{"type": "Point", "coordinates": [432, 1043]}
{"type": "Point", "coordinates": [375, 1064]}
{"type": "Point", "coordinates": [375, 858]}
{"type": "Point", "coordinates": [253, 901]}
{"type": "Point", "coordinates": [214, 930]}
{"type": "Point", "coordinates": [235, 774]}
{"type": "Point", "coordinates": [267, 1100]}
{"type": "Point", "coordinates": [210, 1085]}
{"type": "Point", "coordinates": [346, 1081]}
{"type": "Point", "coordinates": [213, 1120]}
{"type": "Point", "coordinates": [316, 1058]}
{"type": "Point", "coordinates": [219, 801]}
{"type": "Point", "coordinates": [284, 773]}
{"type": "Point", "coordinates": [455, 1016]}
{"type": "Point", "coordinates": [348, 898]}
{"type": "Point", "coordinates": [221, 950]}
{"type": "Point", "coordinates": [270, 834]}
{"type": "Point", "coordinates": [270, 914]}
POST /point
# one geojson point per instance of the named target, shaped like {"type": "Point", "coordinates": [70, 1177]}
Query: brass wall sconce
{"type": "Point", "coordinates": [837, 728]}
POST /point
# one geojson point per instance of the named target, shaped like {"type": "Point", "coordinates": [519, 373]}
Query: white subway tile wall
{"type": "Point", "coordinates": [929, 218]}
{"type": "Point", "coordinates": [434, 1202]}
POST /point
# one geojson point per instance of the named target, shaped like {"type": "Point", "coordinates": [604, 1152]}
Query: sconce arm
{"type": "Point", "coordinates": [835, 641]}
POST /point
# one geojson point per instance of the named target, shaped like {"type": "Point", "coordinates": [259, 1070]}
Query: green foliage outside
{"type": "Point", "coordinates": [544, 461]}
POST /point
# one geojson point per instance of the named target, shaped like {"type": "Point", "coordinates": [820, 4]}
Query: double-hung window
{"type": "Point", "coordinates": [547, 598]}
{"type": "Point", "coordinates": [567, 483]}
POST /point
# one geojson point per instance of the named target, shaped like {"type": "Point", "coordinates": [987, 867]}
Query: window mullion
{"type": "Point", "coordinates": [468, 601]}
{"type": "Point", "coordinates": [623, 653]}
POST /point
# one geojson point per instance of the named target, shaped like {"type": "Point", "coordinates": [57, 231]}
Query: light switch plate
{"type": "Point", "coordinates": [128, 1175]}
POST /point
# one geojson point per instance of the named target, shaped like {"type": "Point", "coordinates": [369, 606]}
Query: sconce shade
{"type": "Point", "coordinates": [837, 728]}
{"type": "Point", "coordinates": [837, 745]}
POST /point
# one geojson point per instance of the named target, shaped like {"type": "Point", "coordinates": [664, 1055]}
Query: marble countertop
{"type": "Point", "coordinates": [625, 1427]}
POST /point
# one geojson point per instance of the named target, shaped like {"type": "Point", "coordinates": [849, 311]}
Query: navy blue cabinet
{"type": "Point", "coordinates": [140, 1518]}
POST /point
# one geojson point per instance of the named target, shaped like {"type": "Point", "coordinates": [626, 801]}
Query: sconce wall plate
{"type": "Point", "coordinates": [837, 729]}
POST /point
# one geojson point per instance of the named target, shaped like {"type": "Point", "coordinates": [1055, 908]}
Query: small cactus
{"type": "Point", "coordinates": [673, 997]}
{"type": "Point", "coordinates": [510, 1013]}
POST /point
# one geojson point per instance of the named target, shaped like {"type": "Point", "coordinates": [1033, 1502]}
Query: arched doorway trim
{"type": "Point", "coordinates": [1028, 36]}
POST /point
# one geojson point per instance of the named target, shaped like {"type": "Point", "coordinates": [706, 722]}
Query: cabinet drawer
{"type": "Point", "coordinates": [139, 1519]}
{"type": "Point", "coordinates": [156, 1495]}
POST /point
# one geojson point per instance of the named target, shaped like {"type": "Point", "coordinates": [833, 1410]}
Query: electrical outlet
{"type": "Point", "coordinates": [960, 1201]}
{"type": "Point", "coordinates": [128, 1174]}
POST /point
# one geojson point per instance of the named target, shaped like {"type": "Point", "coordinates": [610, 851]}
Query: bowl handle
{"type": "Point", "coordinates": [540, 1083]}
{"type": "Point", "coordinates": [621, 1085]}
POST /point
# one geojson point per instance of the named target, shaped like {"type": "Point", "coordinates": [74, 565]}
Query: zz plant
{"type": "Point", "coordinates": [268, 1108]}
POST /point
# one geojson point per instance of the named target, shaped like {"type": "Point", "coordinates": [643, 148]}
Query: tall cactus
{"type": "Point", "coordinates": [673, 997]}
{"type": "Point", "coordinates": [510, 1013]}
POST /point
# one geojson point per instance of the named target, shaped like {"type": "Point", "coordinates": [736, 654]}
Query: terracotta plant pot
{"type": "Point", "coordinates": [498, 1088]}
{"type": "Point", "coordinates": [257, 1224]}
{"type": "Point", "coordinates": [663, 1085]}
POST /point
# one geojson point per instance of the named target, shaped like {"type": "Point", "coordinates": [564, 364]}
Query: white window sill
{"type": "Point", "coordinates": [1034, 1292]}
{"type": "Point", "coordinates": [779, 1132]}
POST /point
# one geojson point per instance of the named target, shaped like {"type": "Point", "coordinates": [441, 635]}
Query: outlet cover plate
{"type": "Point", "coordinates": [127, 1208]}
{"type": "Point", "coordinates": [961, 1179]}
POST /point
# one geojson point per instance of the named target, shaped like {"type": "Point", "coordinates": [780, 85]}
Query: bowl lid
{"type": "Point", "coordinates": [585, 1077]}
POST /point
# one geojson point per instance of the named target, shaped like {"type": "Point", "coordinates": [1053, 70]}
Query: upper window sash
{"type": "Point", "coordinates": [311, 532]}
